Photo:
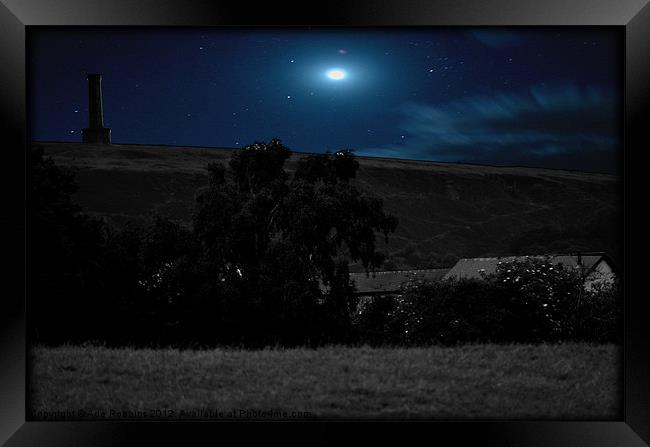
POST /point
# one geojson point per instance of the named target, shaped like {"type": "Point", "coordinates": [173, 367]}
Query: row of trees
{"type": "Point", "coordinates": [265, 262]}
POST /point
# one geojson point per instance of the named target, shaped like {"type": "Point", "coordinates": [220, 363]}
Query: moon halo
{"type": "Point", "coordinates": [336, 74]}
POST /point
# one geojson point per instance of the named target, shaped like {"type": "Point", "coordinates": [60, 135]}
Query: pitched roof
{"type": "Point", "coordinates": [392, 281]}
{"type": "Point", "coordinates": [473, 267]}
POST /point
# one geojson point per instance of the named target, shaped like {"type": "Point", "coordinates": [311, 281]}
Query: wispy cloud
{"type": "Point", "coordinates": [562, 126]}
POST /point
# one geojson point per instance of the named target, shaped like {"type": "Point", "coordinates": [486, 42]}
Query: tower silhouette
{"type": "Point", "coordinates": [95, 133]}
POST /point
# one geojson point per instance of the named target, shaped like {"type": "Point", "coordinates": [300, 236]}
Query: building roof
{"type": "Point", "coordinates": [474, 267]}
{"type": "Point", "coordinates": [392, 281]}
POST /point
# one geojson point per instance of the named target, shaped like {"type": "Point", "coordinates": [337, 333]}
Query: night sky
{"type": "Point", "coordinates": [548, 97]}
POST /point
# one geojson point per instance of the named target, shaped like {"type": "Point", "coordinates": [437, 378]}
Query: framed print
{"type": "Point", "coordinates": [425, 216]}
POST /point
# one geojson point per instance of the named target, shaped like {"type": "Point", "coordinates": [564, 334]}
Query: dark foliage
{"type": "Point", "coordinates": [271, 241]}
{"type": "Point", "coordinates": [265, 262]}
{"type": "Point", "coordinates": [87, 281]}
{"type": "Point", "coordinates": [63, 252]}
{"type": "Point", "coordinates": [524, 301]}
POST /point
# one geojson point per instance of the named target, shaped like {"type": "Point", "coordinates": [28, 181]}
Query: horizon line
{"type": "Point", "coordinates": [324, 153]}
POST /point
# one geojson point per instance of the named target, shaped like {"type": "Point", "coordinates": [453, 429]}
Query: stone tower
{"type": "Point", "coordinates": [95, 133]}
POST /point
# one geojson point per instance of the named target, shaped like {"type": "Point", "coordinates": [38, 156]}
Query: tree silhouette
{"type": "Point", "coordinates": [279, 245]}
{"type": "Point", "coordinates": [63, 253]}
{"type": "Point", "coordinates": [265, 261]}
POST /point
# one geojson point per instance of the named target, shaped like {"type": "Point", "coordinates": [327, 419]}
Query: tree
{"type": "Point", "coordinates": [265, 262]}
{"type": "Point", "coordinates": [88, 281]}
{"type": "Point", "coordinates": [63, 255]}
{"type": "Point", "coordinates": [549, 302]}
{"type": "Point", "coordinates": [271, 243]}
{"type": "Point", "coordinates": [150, 267]}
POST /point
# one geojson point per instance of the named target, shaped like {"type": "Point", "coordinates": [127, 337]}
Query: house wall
{"type": "Point", "coordinates": [602, 275]}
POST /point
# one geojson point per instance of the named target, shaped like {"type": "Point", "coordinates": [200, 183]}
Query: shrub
{"type": "Point", "coordinates": [375, 321]}
{"type": "Point", "coordinates": [549, 302]}
{"type": "Point", "coordinates": [529, 300]}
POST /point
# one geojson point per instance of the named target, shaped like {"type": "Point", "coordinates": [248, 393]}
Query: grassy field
{"type": "Point", "coordinates": [571, 381]}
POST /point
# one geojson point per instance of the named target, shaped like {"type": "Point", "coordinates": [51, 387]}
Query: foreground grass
{"type": "Point", "coordinates": [574, 381]}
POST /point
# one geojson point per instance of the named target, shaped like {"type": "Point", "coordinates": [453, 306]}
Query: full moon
{"type": "Point", "coordinates": [336, 74]}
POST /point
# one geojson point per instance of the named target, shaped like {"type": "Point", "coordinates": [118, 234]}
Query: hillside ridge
{"type": "Point", "coordinates": [447, 211]}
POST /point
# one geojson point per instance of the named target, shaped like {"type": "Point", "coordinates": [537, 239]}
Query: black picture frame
{"type": "Point", "coordinates": [16, 16]}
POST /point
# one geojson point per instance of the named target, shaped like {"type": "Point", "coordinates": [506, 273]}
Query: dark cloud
{"type": "Point", "coordinates": [562, 126]}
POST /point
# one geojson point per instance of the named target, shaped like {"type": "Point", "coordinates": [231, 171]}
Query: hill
{"type": "Point", "coordinates": [446, 211]}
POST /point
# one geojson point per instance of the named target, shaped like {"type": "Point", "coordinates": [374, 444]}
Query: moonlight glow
{"type": "Point", "coordinates": [336, 74]}
{"type": "Point", "coordinates": [407, 93]}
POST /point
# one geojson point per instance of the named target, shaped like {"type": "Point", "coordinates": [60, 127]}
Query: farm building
{"type": "Point", "coordinates": [597, 267]}
{"type": "Point", "coordinates": [390, 282]}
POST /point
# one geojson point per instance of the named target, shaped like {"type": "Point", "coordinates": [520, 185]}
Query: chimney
{"type": "Point", "coordinates": [95, 133]}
